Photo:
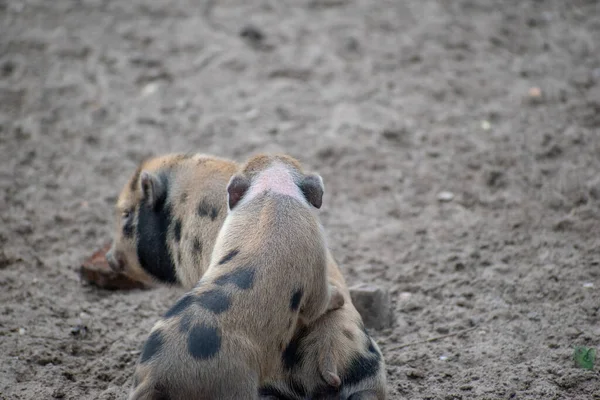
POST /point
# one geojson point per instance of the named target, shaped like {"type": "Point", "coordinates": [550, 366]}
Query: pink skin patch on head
{"type": "Point", "coordinates": [278, 179]}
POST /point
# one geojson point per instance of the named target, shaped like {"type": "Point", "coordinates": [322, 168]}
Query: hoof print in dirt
{"type": "Point", "coordinates": [96, 271]}
{"type": "Point", "coordinates": [373, 304]}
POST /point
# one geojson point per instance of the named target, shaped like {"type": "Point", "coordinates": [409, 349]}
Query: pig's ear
{"type": "Point", "coordinates": [153, 189]}
{"type": "Point", "coordinates": [312, 187]}
{"type": "Point", "coordinates": [236, 189]}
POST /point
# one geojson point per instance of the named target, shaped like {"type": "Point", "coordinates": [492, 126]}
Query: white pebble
{"type": "Point", "coordinates": [443, 358]}
{"type": "Point", "coordinates": [404, 296]}
{"type": "Point", "coordinates": [21, 331]}
{"type": "Point", "coordinates": [445, 196]}
{"type": "Point", "coordinates": [149, 89]}
{"type": "Point", "coordinates": [588, 285]}
{"type": "Point", "coordinates": [485, 125]}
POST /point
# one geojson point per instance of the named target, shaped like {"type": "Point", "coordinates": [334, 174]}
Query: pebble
{"type": "Point", "coordinates": [84, 315]}
{"type": "Point", "coordinates": [445, 196]}
{"type": "Point", "coordinates": [79, 330]}
{"type": "Point", "coordinates": [535, 95]}
{"type": "Point", "coordinates": [21, 331]}
{"type": "Point", "coordinates": [588, 285]}
{"type": "Point", "coordinates": [149, 89]}
{"type": "Point", "coordinates": [405, 296]}
{"type": "Point", "coordinates": [535, 92]}
{"type": "Point", "coordinates": [415, 374]}
{"type": "Point", "coordinates": [443, 358]}
{"type": "Point", "coordinates": [533, 315]}
{"type": "Point", "coordinates": [373, 304]}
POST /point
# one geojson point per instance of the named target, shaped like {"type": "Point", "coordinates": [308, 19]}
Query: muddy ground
{"type": "Point", "coordinates": [394, 102]}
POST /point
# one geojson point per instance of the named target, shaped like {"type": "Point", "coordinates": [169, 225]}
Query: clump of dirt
{"type": "Point", "coordinates": [458, 142]}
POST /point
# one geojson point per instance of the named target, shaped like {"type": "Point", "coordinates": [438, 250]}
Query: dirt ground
{"type": "Point", "coordinates": [474, 198]}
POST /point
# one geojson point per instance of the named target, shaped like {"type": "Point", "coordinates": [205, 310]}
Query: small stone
{"type": "Point", "coordinates": [21, 331]}
{"type": "Point", "coordinates": [79, 330]}
{"type": "Point", "coordinates": [443, 358]}
{"type": "Point", "coordinates": [150, 89]}
{"type": "Point", "coordinates": [84, 315]}
{"type": "Point", "coordinates": [405, 296]}
{"type": "Point", "coordinates": [588, 285]}
{"type": "Point", "coordinates": [485, 125]}
{"type": "Point", "coordinates": [415, 374]}
{"type": "Point", "coordinates": [442, 330]}
{"type": "Point", "coordinates": [532, 315]}
{"type": "Point", "coordinates": [373, 304]}
{"type": "Point", "coordinates": [534, 92]}
{"type": "Point", "coordinates": [445, 196]}
{"type": "Point", "coordinates": [535, 95]}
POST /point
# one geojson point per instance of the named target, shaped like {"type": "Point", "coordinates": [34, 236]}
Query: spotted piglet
{"type": "Point", "coordinates": [224, 338]}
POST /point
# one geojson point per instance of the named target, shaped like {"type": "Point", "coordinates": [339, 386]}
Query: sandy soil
{"type": "Point", "coordinates": [394, 102]}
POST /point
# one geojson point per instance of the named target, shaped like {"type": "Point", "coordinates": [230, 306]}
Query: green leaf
{"type": "Point", "coordinates": [584, 357]}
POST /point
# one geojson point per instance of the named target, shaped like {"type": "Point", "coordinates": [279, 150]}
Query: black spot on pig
{"type": "Point", "coordinates": [206, 210]}
{"type": "Point", "coordinates": [298, 388]}
{"type": "Point", "coordinates": [214, 300]}
{"type": "Point", "coordinates": [185, 323]}
{"type": "Point", "coordinates": [152, 346]}
{"type": "Point", "coordinates": [160, 392]}
{"type": "Point", "coordinates": [197, 246]}
{"type": "Point", "coordinates": [272, 392]}
{"type": "Point", "coordinates": [180, 306]}
{"type": "Point", "coordinates": [325, 391]}
{"type": "Point", "coordinates": [183, 198]}
{"type": "Point", "coordinates": [177, 231]}
{"type": "Point", "coordinates": [152, 250]}
{"type": "Point", "coordinates": [295, 300]}
{"type": "Point", "coordinates": [243, 278]}
{"type": "Point", "coordinates": [292, 355]}
{"type": "Point", "coordinates": [204, 341]}
{"type": "Point", "coordinates": [229, 256]}
{"type": "Point", "coordinates": [360, 367]}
